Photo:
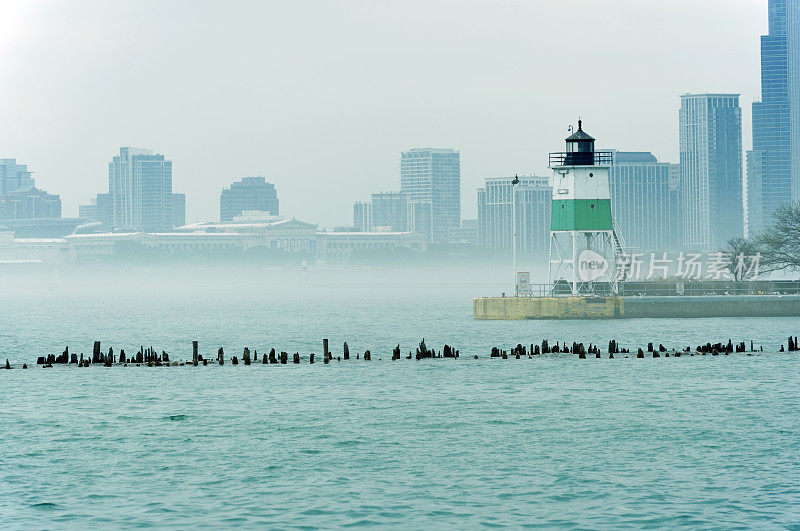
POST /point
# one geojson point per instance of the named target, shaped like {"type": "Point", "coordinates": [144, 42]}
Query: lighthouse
{"type": "Point", "coordinates": [583, 246]}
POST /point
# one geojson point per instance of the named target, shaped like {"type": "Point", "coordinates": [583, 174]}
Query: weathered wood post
{"type": "Point", "coordinates": [346, 351]}
{"type": "Point", "coordinates": [396, 353]}
{"type": "Point", "coordinates": [246, 356]}
{"type": "Point", "coordinates": [221, 356]}
{"type": "Point", "coordinates": [296, 357]}
{"type": "Point", "coordinates": [96, 352]}
{"type": "Point", "coordinates": [194, 352]}
{"type": "Point", "coordinates": [325, 352]}
{"type": "Point", "coordinates": [311, 359]}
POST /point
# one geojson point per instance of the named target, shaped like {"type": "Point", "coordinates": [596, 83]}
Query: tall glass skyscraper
{"type": "Point", "coordinates": [140, 186]}
{"type": "Point", "coordinates": [431, 178]}
{"type": "Point", "coordinates": [645, 202]}
{"type": "Point", "coordinates": [495, 214]}
{"type": "Point", "coordinates": [773, 168]}
{"type": "Point", "coordinates": [710, 128]}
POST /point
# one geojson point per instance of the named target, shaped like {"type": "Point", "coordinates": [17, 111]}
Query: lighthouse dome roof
{"type": "Point", "coordinates": [580, 134]}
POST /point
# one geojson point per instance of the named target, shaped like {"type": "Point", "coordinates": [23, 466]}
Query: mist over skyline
{"type": "Point", "coordinates": [320, 98]}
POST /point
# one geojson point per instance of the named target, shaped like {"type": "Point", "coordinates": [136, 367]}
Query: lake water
{"type": "Point", "coordinates": [552, 441]}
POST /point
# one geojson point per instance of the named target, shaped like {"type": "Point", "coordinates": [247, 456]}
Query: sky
{"type": "Point", "coordinates": [320, 97]}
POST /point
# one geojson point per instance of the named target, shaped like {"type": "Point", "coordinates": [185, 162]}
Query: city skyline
{"type": "Point", "coordinates": [494, 138]}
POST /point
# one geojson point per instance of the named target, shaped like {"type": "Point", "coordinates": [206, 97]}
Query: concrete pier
{"type": "Point", "coordinates": [648, 306]}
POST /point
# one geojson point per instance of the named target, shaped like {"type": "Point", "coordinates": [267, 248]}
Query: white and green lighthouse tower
{"type": "Point", "coordinates": [583, 245]}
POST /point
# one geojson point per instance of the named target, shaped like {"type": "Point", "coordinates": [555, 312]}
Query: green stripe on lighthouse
{"type": "Point", "coordinates": [581, 214]}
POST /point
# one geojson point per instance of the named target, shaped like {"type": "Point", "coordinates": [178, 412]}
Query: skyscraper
{"type": "Point", "coordinates": [495, 210]}
{"type": "Point", "coordinates": [362, 216]}
{"type": "Point", "coordinates": [251, 193]}
{"type": "Point", "coordinates": [711, 169]}
{"type": "Point", "coordinates": [793, 47]}
{"type": "Point", "coordinates": [773, 170]}
{"type": "Point", "coordinates": [14, 176]}
{"type": "Point", "coordinates": [140, 186]}
{"type": "Point", "coordinates": [98, 209]}
{"type": "Point", "coordinates": [19, 197]}
{"type": "Point", "coordinates": [390, 211]}
{"type": "Point", "coordinates": [178, 210]}
{"type": "Point", "coordinates": [644, 201]}
{"type": "Point", "coordinates": [431, 178]}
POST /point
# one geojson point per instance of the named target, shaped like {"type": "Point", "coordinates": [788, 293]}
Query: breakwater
{"type": "Point", "coordinates": [645, 306]}
{"type": "Point", "coordinates": [150, 357]}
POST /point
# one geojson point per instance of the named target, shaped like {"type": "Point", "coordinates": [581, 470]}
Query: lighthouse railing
{"type": "Point", "coordinates": [601, 158]}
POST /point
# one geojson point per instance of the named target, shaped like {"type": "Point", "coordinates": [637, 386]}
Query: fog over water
{"type": "Point", "coordinates": [293, 308]}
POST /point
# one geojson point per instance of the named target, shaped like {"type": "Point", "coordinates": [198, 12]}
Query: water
{"type": "Point", "coordinates": [552, 441]}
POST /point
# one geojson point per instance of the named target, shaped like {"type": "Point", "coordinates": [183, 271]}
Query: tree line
{"type": "Point", "coordinates": [778, 246]}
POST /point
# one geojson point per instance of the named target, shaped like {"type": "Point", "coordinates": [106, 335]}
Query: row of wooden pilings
{"type": "Point", "coordinates": [152, 358]}
{"type": "Point", "coordinates": [613, 348]}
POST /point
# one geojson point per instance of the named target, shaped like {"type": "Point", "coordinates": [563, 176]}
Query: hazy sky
{"type": "Point", "coordinates": [321, 96]}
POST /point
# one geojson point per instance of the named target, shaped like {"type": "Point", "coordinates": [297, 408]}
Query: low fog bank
{"type": "Point", "coordinates": [458, 282]}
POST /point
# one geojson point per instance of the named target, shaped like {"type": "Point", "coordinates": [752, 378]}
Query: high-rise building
{"type": "Point", "coordinates": [711, 169]}
{"type": "Point", "coordinates": [140, 186]}
{"type": "Point", "coordinates": [14, 177]}
{"type": "Point", "coordinates": [29, 204]}
{"type": "Point", "coordinates": [362, 216]}
{"type": "Point", "coordinates": [495, 214]}
{"type": "Point", "coordinates": [178, 210]}
{"type": "Point", "coordinates": [98, 209]}
{"type": "Point", "coordinates": [468, 232]}
{"type": "Point", "coordinates": [390, 212]}
{"type": "Point", "coordinates": [88, 211]}
{"type": "Point", "coordinates": [431, 178]}
{"type": "Point", "coordinates": [773, 171]}
{"type": "Point", "coordinates": [19, 197]}
{"type": "Point", "coordinates": [793, 48]}
{"type": "Point", "coordinates": [644, 201]}
{"type": "Point", "coordinates": [251, 193]}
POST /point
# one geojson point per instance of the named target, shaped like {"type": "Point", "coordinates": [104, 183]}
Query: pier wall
{"type": "Point", "coordinates": [515, 308]}
{"type": "Point", "coordinates": [713, 306]}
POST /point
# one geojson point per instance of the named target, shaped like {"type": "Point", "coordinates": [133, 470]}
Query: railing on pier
{"type": "Point", "coordinates": [671, 288]}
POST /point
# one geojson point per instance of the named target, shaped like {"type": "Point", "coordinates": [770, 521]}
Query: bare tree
{"type": "Point", "coordinates": [781, 242]}
{"type": "Point", "coordinates": [742, 249]}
